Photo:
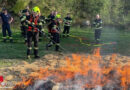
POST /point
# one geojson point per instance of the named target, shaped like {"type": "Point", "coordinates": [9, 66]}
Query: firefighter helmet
{"type": "Point", "coordinates": [36, 9]}
{"type": "Point", "coordinates": [58, 16]}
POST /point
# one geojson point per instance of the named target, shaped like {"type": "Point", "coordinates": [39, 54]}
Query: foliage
{"type": "Point", "coordinates": [112, 11]}
{"type": "Point", "coordinates": [116, 12]}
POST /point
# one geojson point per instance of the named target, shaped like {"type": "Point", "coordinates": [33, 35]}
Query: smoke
{"type": "Point", "coordinates": [110, 35]}
{"type": "Point", "coordinates": [41, 85]}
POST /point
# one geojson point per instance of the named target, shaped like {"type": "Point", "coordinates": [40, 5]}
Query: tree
{"type": "Point", "coordinates": [112, 11]}
{"type": "Point", "coordinates": [87, 9]}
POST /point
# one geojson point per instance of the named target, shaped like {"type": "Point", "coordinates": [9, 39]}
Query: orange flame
{"type": "Point", "coordinates": [93, 68]}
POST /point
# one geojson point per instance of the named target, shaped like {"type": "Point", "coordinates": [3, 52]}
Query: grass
{"type": "Point", "coordinates": [17, 50]}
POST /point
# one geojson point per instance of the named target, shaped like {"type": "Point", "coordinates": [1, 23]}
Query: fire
{"type": "Point", "coordinates": [88, 72]}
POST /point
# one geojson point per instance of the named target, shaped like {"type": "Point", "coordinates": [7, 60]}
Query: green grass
{"type": "Point", "coordinates": [17, 50]}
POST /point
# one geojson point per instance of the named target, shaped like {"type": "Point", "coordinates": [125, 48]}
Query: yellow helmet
{"type": "Point", "coordinates": [36, 9]}
{"type": "Point", "coordinates": [58, 16]}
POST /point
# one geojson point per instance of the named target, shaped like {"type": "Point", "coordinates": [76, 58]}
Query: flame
{"type": "Point", "coordinates": [93, 69]}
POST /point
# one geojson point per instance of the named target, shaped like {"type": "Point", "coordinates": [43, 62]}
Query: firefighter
{"type": "Point", "coordinates": [49, 20]}
{"type": "Point", "coordinates": [33, 31]}
{"type": "Point", "coordinates": [67, 24]}
{"type": "Point", "coordinates": [24, 25]}
{"type": "Point", "coordinates": [23, 14]}
{"type": "Point", "coordinates": [98, 28]}
{"type": "Point", "coordinates": [55, 33]}
{"type": "Point", "coordinates": [6, 21]}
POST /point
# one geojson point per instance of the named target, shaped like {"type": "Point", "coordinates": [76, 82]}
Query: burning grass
{"type": "Point", "coordinates": [80, 73]}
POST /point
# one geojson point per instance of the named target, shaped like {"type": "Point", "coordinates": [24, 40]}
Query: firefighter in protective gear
{"type": "Point", "coordinates": [49, 20]}
{"type": "Point", "coordinates": [98, 28]}
{"type": "Point", "coordinates": [55, 33]}
{"type": "Point", "coordinates": [67, 24]}
{"type": "Point", "coordinates": [24, 24]}
{"type": "Point", "coordinates": [23, 13]}
{"type": "Point", "coordinates": [33, 31]}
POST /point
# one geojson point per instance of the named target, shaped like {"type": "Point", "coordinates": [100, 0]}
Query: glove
{"type": "Point", "coordinates": [33, 23]}
{"type": "Point", "coordinates": [28, 22]}
{"type": "Point", "coordinates": [40, 23]}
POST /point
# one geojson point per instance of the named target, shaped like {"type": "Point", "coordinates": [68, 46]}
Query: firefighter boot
{"type": "Point", "coordinates": [67, 35]}
{"type": "Point", "coordinates": [11, 40]}
{"type": "Point", "coordinates": [28, 57]}
{"type": "Point", "coordinates": [29, 52]}
{"type": "Point", "coordinates": [57, 47]}
{"type": "Point", "coordinates": [36, 53]}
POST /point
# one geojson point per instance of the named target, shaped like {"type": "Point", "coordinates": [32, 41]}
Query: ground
{"type": "Point", "coordinates": [23, 69]}
{"type": "Point", "coordinates": [113, 41]}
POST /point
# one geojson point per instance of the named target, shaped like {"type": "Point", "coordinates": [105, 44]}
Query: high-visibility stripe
{"type": "Point", "coordinates": [40, 23]}
{"type": "Point", "coordinates": [25, 38]}
{"type": "Point", "coordinates": [29, 57]}
{"type": "Point", "coordinates": [99, 28]}
{"type": "Point", "coordinates": [57, 44]}
{"type": "Point", "coordinates": [24, 18]}
{"type": "Point", "coordinates": [54, 27]}
{"type": "Point", "coordinates": [36, 48]}
{"type": "Point", "coordinates": [4, 37]}
{"type": "Point", "coordinates": [29, 48]}
{"type": "Point", "coordinates": [10, 37]}
{"type": "Point", "coordinates": [28, 22]}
